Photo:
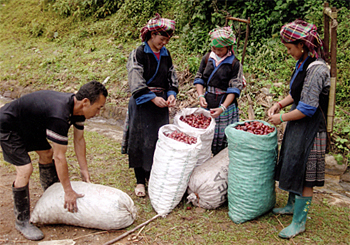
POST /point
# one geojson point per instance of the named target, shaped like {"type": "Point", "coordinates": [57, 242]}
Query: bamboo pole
{"type": "Point", "coordinates": [331, 105]}
{"type": "Point", "coordinates": [326, 28]}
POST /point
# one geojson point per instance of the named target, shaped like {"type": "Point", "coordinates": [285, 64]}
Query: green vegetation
{"type": "Point", "coordinates": [61, 44]}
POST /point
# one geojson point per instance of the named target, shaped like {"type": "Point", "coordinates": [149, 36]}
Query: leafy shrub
{"type": "Point", "coordinates": [35, 29]}
{"type": "Point", "coordinates": [134, 14]}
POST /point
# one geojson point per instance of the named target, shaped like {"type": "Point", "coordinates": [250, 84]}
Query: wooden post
{"type": "Point", "coordinates": [330, 14]}
{"type": "Point", "coordinates": [326, 28]}
{"type": "Point", "coordinates": [246, 34]}
{"type": "Point", "coordinates": [331, 105]}
{"type": "Point", "coordinates": [246, 40]}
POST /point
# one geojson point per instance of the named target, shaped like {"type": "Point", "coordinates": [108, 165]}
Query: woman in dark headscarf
{"type": "Point", "coordinates": [301, 164]}
{"type": "Point", "coordinates": [154, 85]}
{"type": "Point", "coordinates": [221, 74]}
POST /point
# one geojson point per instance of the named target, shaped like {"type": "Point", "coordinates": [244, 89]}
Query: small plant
{"type": "Point", "coordinates": [193, 64]}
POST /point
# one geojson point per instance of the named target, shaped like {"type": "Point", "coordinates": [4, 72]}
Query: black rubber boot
{"type": "Point", "coordinates": [48, 175]}
{"type": "Point", "coordinates": [22, 214]}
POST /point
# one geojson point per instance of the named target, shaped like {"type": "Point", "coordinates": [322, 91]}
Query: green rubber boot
{"type": "Point", "coordinates": [301, 208]}
{"type": "Point", "coordinates": [289, 208]}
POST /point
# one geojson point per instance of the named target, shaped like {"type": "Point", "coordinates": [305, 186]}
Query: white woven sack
{"type": "Point", "coordinates": [206, 135]}
{"type": "Point", "coordinates": [207, 187]}
{"type": "Point", "coordinates": [102, 207]}
{"type": "Point", "coordinates": [173, 163]}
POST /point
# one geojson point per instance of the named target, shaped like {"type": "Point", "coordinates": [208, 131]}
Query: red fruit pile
{"type": "Point", "coordinates": [255, 127]}
{"type": "Point", "coordinates": [182, 137]}
{"type": "Point", "coordinates": [196, 120]}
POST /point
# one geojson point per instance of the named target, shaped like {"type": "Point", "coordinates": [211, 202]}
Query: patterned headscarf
{"type": "Point", "coordinates": [222, 37]}
{"type": "Point", "coordinates": [301, 30]}
{"type": "Point", "coordinates": [158, 24]}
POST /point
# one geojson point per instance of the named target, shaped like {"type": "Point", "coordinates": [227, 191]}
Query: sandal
{"type": "Point", "coordinates": [140, 190]}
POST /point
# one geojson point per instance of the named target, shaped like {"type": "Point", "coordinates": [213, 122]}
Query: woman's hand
{"type": "Point", "coordinates": [171, 101]}
{"type": "Point", "coordinates": [203, 102]}
{"type": "Point", "coordinates": [216, 112]}
{"type": "Point", "coordinates": [275, 119]}
{"type": "Point", "coordinates": [274, 110]}
{"type": "Point", "coordinates": [160, 102]}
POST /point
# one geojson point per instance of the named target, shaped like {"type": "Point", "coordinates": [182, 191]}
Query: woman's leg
{"type": "Point", "coordinates": [301, 208]}
{"type": "Point", "coordinates": [140, 175]}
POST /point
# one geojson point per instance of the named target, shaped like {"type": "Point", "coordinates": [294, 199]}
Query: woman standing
{"type": "Point", "coordinates": [222, 75]}
{"type": "Point", "coordinates": [301, 164]}
{"type": "Point", "coordinates": [154, 85]}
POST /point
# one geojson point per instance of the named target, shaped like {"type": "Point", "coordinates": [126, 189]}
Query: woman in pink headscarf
{"type": "Point", "coordinates": [154, 85]}
{"type": "Point", "coordinates": [301, 164]}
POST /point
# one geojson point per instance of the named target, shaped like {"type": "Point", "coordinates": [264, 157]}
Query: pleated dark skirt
{"type": "Point", "coordinates": [141, 132]}
{"type": "Point", "coordinates": [315, 166]}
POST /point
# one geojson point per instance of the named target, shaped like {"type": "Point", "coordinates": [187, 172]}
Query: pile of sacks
{"type": "Point", "coordinates": [242, 174]}
{"type": "Point", "coordinates": [174, 161]}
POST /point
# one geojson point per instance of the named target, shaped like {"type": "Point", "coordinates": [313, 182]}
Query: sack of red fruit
{"type": "Point", "coordinates": [174, 159]}
{"type": "Point", "coordinates": [253, 152]}
{"type": "Point", "coordinates": [198, 120]}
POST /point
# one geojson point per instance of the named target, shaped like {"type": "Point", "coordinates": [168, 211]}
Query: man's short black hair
{"type": "Point", "coordinates": [92, 91]}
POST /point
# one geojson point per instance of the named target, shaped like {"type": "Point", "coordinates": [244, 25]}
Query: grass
{"type": "Point", "coordinates": [326, 224]}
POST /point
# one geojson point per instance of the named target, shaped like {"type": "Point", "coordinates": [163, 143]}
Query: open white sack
{"type": "Point", "coordinates": [173, 163]}
{"type": "Point", "coordinates": [102, 207]}
{"type": "Point", "coordinates": [207, 187]}
{"type": "Point", "coordinates": [206, 135]}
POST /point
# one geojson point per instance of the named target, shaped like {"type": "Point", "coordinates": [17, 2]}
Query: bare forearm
{"type": "Point", "coordinates": [286, 101]}
{"type": "Point", "coordinates": [293, 115]}
{"type": "Point", "coordinates": [200, 89]}
{"type": "Point", "coordinates": [229, 99]}
{"type": "Point", "coordinates": [80, 152]}
{"type": "Point", "coordinates": [62, 172]}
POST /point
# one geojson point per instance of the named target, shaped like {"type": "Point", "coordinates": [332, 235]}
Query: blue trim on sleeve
{"type": "Point", "coordinates": [171, 92]}
{"type": "Point", "coordinates": [306, 109]}
{"type": "Point", "coordinates": [233, 91]}
{"type": "Point", "coordinates": [145, 98]}
{"type": "Point", "coordinates": [198, 81]}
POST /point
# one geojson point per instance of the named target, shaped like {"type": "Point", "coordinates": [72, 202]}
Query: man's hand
{"type": "Point", "coordinates": [85, 176]}
{"type": "Point", "coordinates": [70, 201]}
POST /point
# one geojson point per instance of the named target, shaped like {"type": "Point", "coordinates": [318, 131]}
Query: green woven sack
{"type": "Point", "coordinates": [251, 185]}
